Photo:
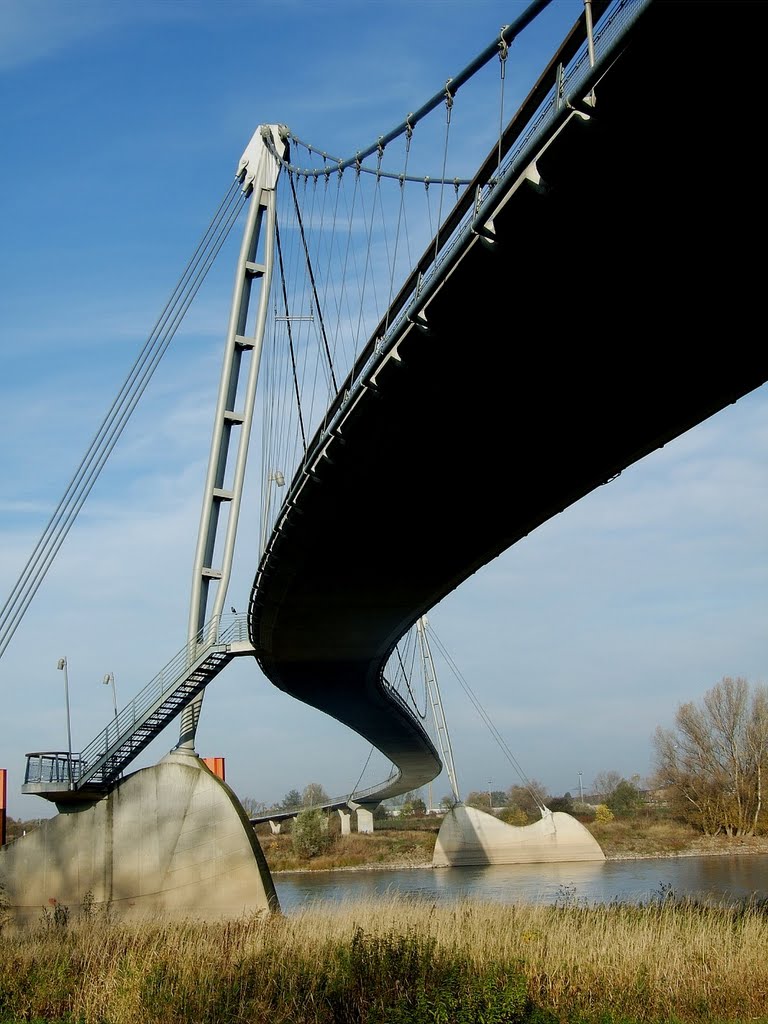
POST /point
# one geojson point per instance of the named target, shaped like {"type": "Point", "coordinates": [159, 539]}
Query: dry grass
{"type": "Point", "coordinates": [661, 962]}
{"type": "Point", "coordinates": [630, 838]}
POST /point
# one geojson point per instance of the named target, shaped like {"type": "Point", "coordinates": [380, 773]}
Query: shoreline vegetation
{"type": "Point", "coordinates": [402, 847]}
{"type": "Point", "coordinates": [402, 960]}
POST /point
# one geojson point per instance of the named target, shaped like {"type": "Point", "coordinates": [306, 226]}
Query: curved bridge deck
{"type": "Point", "coordinates": [616, 310]}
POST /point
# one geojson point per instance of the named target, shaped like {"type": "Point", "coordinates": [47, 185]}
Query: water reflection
{"type": "Point", "coordinates": [630, 881]}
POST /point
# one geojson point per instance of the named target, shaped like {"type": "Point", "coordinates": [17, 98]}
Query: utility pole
{"type": "Point", "coordinates": [581, 791]}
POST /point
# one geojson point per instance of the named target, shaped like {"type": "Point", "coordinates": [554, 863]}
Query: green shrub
{"type": "Point", "coordinates": [309, 834]}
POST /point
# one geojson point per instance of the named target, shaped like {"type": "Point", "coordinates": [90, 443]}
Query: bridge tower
{"type": "Point", "coordinates": [258, 170]}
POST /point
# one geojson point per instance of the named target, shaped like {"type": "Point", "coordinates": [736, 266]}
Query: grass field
{"type": "Point", "coordinates": [399, 961]}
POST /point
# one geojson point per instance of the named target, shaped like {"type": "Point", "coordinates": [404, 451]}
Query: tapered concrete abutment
{"type": "Point", "coordinates": [169, 841]}
{"type": "Point", "coordinates": [469, 836]}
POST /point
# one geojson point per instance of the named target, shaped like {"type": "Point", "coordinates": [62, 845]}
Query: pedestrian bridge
{"type": "Point", "coordinates": [593, 294]}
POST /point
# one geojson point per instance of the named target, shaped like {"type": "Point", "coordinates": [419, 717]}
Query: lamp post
{"type": "Point", "coordinates": [108, 679]}
{"type": "Point", "coordinates": [581, 791]}
{"type": "Point", "coordinates": [62, 666]}
{"type": "Point", "coordinates": [276, 477]}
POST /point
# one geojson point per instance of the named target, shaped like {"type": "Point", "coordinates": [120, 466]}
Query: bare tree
{"type": "Point", "coordinates": [715, 758]}
{"type": "Point", "coordinates": [605, 784]}
{"type": "Point", "coordinates": [529, 798]}
{"type": "Point", "coordinates": [313, 795]}
{"type": "Point", "coordinates": [757, 742]}
{"type": "Point", "coordinates": [253, 807]}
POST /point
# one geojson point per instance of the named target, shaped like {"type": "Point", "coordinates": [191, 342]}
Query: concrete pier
{"type": "Point", "coordinates": [469, 836]}
{"type": "Point", "coordinates": [169, 841]}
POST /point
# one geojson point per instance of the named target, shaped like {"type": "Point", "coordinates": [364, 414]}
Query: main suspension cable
{"type": "Point", "coordinates": [114, 422]}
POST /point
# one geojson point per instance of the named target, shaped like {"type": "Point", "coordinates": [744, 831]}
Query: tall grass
{"type": "Point", "coordinates": [399, 961]}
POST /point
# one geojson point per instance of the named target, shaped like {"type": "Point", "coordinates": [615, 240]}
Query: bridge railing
{"type": "Point", "coordinates": [52, 766]}
{"type": "Point", "coordinates": [560, 80]}
{"type": "Point", "coordinates": [59, 767]}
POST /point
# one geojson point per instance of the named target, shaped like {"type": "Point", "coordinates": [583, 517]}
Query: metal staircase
{"type": "Point", "coordinates": [64, 777]}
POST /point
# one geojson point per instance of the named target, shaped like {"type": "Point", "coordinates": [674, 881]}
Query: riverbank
{"type": "Point", "coordinates": [411, 848]}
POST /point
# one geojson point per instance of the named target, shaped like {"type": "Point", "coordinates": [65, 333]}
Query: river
{"type": "Point", "coordinates": [719, 878]}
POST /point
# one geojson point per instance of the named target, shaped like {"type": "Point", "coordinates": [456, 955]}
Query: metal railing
{"type": "Point", "coordinates": [56, 767]}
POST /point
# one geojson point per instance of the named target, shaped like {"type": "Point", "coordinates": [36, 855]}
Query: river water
{"type": "Point", "coordinates": [718, 879]}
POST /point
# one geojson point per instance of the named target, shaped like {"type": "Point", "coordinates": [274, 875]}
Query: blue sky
{"type": "Point", "coordinates": [122, 125]}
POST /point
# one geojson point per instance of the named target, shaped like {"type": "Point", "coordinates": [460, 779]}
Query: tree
{"type": "Point", "coordinates": [290, 801]}
{"type": "Point", "coordinates": [625, 799]}
{"type": "Point", "coordinates": [604, 785]}
{"type": "Point", "coordinates": [479, 798]}
{"type": "Point", "coordinates": [714, 761]}
{"type": "Point", "coordinates": [562, 803]}
{"type": "Point", "coordinates": [415, 808]}
{"type": "Point", "coordinates": [254, 808]}
{"type": "Point", "coordinates": [513, 816]}
{"type": "Point", "coordinates": [313, 795]}
{"type": "Point", "coordinates": [529, 798]}
{"type": "Point", "coordinates": [309, 833]}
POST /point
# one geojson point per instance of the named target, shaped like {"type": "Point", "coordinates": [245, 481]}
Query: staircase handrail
{"type": "Point", "coordinates": [219, 631]}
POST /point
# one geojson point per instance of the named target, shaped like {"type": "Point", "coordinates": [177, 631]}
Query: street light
{"type": "Point", "coordinates": [62, 666]}
{"type": "Point", "coordinates": [581, 791]}
{"type": "Point", "coordinates": [110, 678]}
{"type": "Point", "coordinates": [274, 477]}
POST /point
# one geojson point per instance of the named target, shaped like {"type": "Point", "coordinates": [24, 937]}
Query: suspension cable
{"type": "Point", "coordinates": [118, 415]}
{"type": "Point", "coordinates": [311, 273]}
{"type": "Point", "coordinates": [509, 33]}
{"type": "Point", "coordinates": [400, 215]}
{"type": "Point", "coordinates": [448, 107]}
{"type": "Point", "coordinates": [493, 730]}
{"type": "Point", "coordinates": [290, 336]}
{"type": "Point", "coordinates": [503, 54]}
{"type": "Point", "coordinates": [410, 691]}
{"type": "Point", "coordinates": [362, 773]}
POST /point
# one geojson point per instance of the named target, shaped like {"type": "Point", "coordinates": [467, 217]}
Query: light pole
{"type": "Point", "coordinates": [62, 666]}
{"type": "Point", "coordinates": [110, 678]}
{"type": "Point", "coordinates": [490, 794]}
{"type": "Point", "coordinates": [276, 477]}
{"type": "Point", "coordinates": [581, 791]}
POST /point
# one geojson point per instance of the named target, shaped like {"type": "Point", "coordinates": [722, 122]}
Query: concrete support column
{"type": "Point", "coordinates": [345, 816]}
{"type": "Point", "coordinates": [364, 820]}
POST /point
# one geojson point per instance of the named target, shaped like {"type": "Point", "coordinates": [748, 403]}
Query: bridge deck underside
{"type": "Point", "coordinates": [620, 306]}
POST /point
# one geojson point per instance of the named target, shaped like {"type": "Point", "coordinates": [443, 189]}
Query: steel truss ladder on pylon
{"type": "Point", "coordinates": [258, 170]}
